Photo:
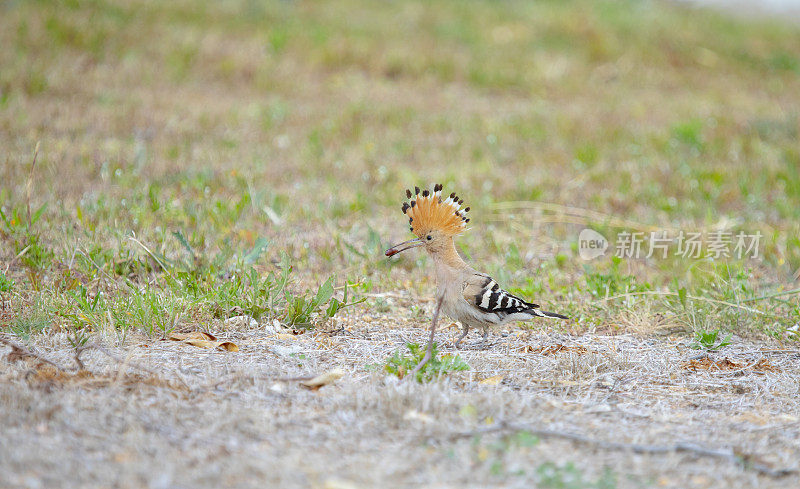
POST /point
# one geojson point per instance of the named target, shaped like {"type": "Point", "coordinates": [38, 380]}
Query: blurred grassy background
{"type": "Point", "coordinates": [201, 127]}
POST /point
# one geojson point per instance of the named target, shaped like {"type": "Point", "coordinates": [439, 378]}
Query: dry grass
{"type": "Point", "coordinates": [239, 421]}
{"type": "Point", "coordinates": [192, 154]}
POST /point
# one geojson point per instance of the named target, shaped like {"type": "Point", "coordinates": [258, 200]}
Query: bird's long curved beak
{"type": "Point", "coordinates": [411, 243]}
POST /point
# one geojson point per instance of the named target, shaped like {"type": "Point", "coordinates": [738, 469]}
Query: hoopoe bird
{"type": "Point", "coordinates": [468, 296]}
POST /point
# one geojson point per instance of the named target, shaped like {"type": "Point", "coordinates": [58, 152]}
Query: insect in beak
{"type": "Point", "coordinates": [412, 243]}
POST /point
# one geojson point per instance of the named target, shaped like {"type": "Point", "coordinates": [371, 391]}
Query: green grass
{"type": "Point", "coordinates": [191, 154]}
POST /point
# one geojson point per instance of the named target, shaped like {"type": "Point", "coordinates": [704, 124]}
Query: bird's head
{"type": "Point", "coordinates": [433, 220]}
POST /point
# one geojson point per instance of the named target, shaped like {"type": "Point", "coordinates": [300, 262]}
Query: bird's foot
{"type": "Point", "coordinates": [457, 343]}
{"type": "Point", "coordinates": [485, 340]}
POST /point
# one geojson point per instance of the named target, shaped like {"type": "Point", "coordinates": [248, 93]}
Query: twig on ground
{"type": "Point", "coordinates": [21, 350]}
{"type": "Point", "coordinates": [93, 346]}
{"type": "Point", "coordinates": [429, 349]}
{"type": "Point", "coordinates": [243, 376]}
{"type": "Point", "coordinates": [745, 460]}
{"type": "Point", "coordinates": [24, 352]}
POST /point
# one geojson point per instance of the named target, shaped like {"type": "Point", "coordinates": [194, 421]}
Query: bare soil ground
{"type": "Point", "coordinates": [241, 419]}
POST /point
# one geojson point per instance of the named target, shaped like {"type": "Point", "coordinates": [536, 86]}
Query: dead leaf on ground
{"type": "Point", "coordinates": [322, 380]}
{"type": "Point", "coordinates": [227, 346]}
{"type": "Point", "coordinates": [493, 380]}
{"type": "Point", "coordinates": [553, 349]}
{"type": "Point", "coordinates": [199, 343]}
{"type": "Point", "coordinates": [201, 339]}
{"type": "Point", "coordinates": [764, 366]}
{"type": "Point", "coordinates": [726, 364]}
{"type": "Point", "coordinates": [707, 363]}
{"type": "Point", "coordinates": [193, 335]}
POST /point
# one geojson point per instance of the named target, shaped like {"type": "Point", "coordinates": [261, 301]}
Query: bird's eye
{"type": "Point", "coordinates": [429, 237]}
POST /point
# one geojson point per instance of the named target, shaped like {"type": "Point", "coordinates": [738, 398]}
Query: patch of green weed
{"type": "Point", "coordinates": [6, 283]}
{"type": "Point", "coordinates": [400, 364]}
{"type": "Point", "coordinates": [709, 340]}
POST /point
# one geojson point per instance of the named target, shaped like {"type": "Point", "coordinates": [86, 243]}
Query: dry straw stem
{"type": "Point", "coordinates": [29, 184]}
{"type": "Point", "coordinates": [675, 294]}
{"type": "Point", "coordinates": [90, 260]}
{"type": "Point", "coordinates": [571, 215]}
{"type": "Point", "coordinates": [151, 255]}
{"type": "Point", "coordinates": [772, 296]}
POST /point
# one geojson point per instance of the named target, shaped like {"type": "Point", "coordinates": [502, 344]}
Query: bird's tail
{"type": "Point", "coordinates": [546, 314]}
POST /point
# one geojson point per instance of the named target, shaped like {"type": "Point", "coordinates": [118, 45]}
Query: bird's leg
{"type": "Point", "coordinates": [485, 338]}
{"type": "Point", "coordinates": [429, 349]}
{"type": "Point", "coordinates": [465, 329]}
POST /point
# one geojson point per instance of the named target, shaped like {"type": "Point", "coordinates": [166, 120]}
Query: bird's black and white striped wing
{"type": "Point", "coordinates": [485, 294]}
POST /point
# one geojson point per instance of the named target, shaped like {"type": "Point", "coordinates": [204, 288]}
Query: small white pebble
{"type": "Point", "coordinates": [241, 322]}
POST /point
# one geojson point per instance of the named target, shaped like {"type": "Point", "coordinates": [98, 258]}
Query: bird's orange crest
{"type": "Point", "coordinates": [428, 211]}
